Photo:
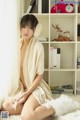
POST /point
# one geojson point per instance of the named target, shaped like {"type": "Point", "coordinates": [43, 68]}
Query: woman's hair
{"type": "Point", "coordinates": [28, 20]}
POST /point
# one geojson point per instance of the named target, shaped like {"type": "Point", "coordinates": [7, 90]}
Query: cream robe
{"type": "Point", "coordinates": [34, 64]}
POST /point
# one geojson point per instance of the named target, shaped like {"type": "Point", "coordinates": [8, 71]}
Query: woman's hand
{"type": "Point", "coordinates": [23, 98]}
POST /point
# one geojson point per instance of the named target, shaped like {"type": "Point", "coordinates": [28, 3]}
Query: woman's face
{"type": "Point", "coordinates": [27, 32]}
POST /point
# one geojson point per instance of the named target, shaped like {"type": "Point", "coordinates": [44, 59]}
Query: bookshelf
{"type": "Point", "coordinates": [70, 50]}
{"type": "Point", "coordinates": [68, 73]}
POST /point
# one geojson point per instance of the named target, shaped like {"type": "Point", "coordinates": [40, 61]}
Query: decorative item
{"type": "Point", "coordinates": [61, 7]}
{"type": "Point", "coordinates": [69, 8]}
{"type": "Point", "coordinates": [60, 35]}
{"type": "Point", "coordinates": [58, 30]}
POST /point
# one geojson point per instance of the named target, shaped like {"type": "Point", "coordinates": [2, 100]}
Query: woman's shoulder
{"type": "Point", "coordinates": [38, 45]}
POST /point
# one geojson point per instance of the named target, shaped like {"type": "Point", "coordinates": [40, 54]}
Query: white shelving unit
{"type": "Point", "coordinates": [70, 50]}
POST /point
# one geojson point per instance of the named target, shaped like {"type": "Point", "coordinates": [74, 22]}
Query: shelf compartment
{"type": "Point", "coordinates": [66, 23]}
{"type": "Point", "coordinates": [60, 78]}
{"type": "Point", "coordinates": [67, 55]}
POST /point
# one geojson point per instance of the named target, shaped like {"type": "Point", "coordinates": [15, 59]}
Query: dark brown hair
{"type": "Point", "coordinates": [27, 20]}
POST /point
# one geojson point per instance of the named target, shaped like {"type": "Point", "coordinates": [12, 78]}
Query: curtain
{"type": "Point", "coordinates": [9, 45]}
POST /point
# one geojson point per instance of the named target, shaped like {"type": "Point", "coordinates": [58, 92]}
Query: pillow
{"type": "Point", "coordinates": [63, 105]}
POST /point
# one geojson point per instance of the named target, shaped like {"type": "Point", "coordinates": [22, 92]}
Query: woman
{"type": "Point", "coordinates": [36, 91]}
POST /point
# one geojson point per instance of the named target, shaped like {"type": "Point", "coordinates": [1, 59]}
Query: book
{"type": "Point", "coordinates": [62, 89]}
{"type": "Point", "coordinates": [51, 57]}
{"type": "Point", "coordinates": [78, 30]}
{"type": "Point", "coordinates": [58, 57]}
{"type": "Point", "coordinates": [39, 6]}
{"type": "Point", "coordinates": [30, 6]}
{"type": "Point", "coordinates": [55, 57]}
{"type": "Point", "coordinates": [43, 6]}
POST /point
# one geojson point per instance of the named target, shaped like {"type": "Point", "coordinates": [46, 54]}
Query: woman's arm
{"type": "Point", "coordinates": [24, 85]}
{"type": "Point", "coordinates": [26, 94]}
{"type": "Point", "coordinates": [39, 67]}
{"type": "Point", "coordinates": [35, 83]}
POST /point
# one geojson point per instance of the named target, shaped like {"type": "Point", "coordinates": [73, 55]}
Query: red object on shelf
{"type": "Point", "coordinates": [69, 8]}
{"type": "Point", "coordinates": [54, 9]}
{"type": "Point", "coordinates": [62, 8]}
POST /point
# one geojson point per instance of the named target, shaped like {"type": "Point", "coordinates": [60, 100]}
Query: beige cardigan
{"type": "Point", "coordinates": [34, 64]}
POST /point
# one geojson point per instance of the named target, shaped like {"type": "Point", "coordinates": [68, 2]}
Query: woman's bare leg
{"type": "Point", "coordinates": [28, 109]}
{"type": "Point", "coordinates": [8, 106]}
{"type": "Point", "coordinates": [33, 111]}
{"type": "Point", "coordinates": [44, 112]}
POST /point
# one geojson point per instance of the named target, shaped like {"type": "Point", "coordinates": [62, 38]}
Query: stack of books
{"type": "Point", "coordinates": [62, 89]}
{"type": "Point", "coordinates": [55, 57]}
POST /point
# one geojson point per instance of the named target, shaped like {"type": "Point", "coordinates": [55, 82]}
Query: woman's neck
{"type": "Point", "coordinates": [26, 42]}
